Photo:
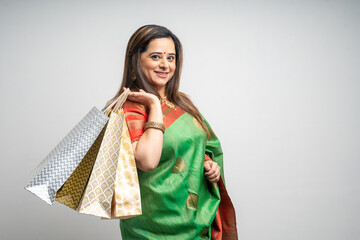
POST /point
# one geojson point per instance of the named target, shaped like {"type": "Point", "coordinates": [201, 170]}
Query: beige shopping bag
{"type": "Point", "coordinates": [113, 190]}
{"type": "Point", "coordinates": [126, 201]}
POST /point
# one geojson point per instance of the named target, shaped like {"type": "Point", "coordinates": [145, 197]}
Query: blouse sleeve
{"type": "Point", "coordinates": [135, 116]}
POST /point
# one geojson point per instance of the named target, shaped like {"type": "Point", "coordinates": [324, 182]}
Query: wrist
{"type": "Point", "coordinates": [155, 112]}
{"type": "Point", "coordinates": [155, 104]}
{"type": "Point", "coordinates": [156, 125]}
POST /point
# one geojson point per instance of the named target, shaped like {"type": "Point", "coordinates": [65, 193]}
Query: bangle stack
{"type": "Point", "coordinates": [156, 125]}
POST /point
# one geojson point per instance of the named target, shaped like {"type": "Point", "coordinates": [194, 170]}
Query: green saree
{"type": "Point", "coordinates": [178, 202]}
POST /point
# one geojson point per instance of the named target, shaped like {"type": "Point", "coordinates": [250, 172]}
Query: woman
{"type": "Point", "coordinates": [179, 158]}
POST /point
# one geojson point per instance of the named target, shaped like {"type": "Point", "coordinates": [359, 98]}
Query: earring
{"type": "Point", "coordinates": [133, 75]}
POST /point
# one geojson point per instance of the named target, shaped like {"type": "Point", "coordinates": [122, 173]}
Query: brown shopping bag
{"type": "Point", "coordinates": [70, 193]}
{"type": "Point", "coordinates": [105, 183]}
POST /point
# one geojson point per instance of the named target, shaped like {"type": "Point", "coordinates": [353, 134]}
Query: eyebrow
{"type": "Point", "coordinates": [162, 53]}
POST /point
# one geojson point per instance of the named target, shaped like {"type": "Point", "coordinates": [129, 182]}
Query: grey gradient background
{"type": "Point", "coordinates": [277, 80]}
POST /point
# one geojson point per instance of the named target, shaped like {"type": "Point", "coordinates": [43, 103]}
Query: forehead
{"type": "Point", "coordinates": [161, 45]}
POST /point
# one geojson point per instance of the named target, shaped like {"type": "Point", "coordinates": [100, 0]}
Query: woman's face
{"type": "Point", "coordinates": [158, 62]}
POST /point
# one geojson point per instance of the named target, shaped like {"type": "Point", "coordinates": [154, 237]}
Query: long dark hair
{"type": "Point", "coordinates": [134, 78]}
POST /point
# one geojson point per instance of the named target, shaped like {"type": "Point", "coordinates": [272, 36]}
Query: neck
{"type": "Point", "coordinates": [161, 92]}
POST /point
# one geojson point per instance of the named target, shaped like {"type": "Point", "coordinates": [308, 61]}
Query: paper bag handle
{"type": "Point", "coordinates": [122, 98]}
{"type": "Point", "coordinates": [119, 100]}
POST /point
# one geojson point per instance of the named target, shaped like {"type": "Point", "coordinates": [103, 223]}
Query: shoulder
{"type": "Point", "coordinates": [135, 107]}
{"type": "Point", "coordinates": [136, 115]}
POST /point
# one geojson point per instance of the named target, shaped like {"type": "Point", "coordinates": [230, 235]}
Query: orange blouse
{"type": "Point", "coordinates": [136, 115]}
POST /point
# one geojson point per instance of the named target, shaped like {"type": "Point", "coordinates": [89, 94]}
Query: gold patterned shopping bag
{"type": "Point", "coordinates": [70, 193]}
{"type": "Point", "coordinates": [115, 161]}
{"type": "Point", "coordinates": [126, 201]}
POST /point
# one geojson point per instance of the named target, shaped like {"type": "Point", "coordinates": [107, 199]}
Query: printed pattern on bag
{"type": "Point", "coordinates": [99, 191]}
{"type": "Point", "coordinates": [59, 164]}
{"type": "Point", "coordinates": [127, 200]}
{"type": "Point", "coordinates": [70, 193]}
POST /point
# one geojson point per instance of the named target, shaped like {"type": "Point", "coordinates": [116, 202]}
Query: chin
{"type": "Point", "coordinates": [160, 82]}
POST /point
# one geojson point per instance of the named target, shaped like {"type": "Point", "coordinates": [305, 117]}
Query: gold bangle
{"type": "Point", "coordinates": [156, 125]}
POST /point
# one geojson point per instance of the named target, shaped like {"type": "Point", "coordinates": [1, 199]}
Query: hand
{"type": "Point", "coordinates": [212, 171]}
{"type": "Point", "coordinates": [143, 97]}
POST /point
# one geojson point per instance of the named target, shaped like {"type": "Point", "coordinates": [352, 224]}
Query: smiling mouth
{"type": "Point", "coordinates": [161, 74]}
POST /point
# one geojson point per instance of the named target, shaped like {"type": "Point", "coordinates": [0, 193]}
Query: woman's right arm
{"type": "Point", "coordinates": [147, 150]}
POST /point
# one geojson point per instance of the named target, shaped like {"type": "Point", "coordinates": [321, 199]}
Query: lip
{"type": "Point", "coordinates": [162, 76]}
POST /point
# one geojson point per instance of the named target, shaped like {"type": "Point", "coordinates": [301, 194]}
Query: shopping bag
{"type": "Point", "coordinates": [70, 193]}
{"type": "Point", "coordinates": [126, 201]}
{"type": "Point", "coordinates": [60, 163]}
{"type": "Point", "coordinates": [113, 184]}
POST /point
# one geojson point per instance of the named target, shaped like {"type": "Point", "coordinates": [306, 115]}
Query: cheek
{"type": "Point", "coordinates": [173, 67]}
{"type": "Point", "coordinates": [150, 65]}
{"type": "Point", "coordinates": [146, 66]}
{"type": "Point", "coordinates": [147, 71]}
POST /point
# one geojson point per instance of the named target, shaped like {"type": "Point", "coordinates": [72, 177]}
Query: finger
{"type": "Point", "coordinates": [211, 169]}
{"type": "Point", "coordinates": [132, 97]}
{"type": "Point", "coordinates": [140, 90]}
{"type": "Point", "coordinates": [137, 94]}
{"type": "Point", "coordinates": [210, 172]}
{"type": "Point", "coordinates": [134, 94]}
{"type": "Point", "coordinates": [215, 166]}
{"type": "Point", "coordinates": [216, 172]}
{"type": "Point", "coordinates": [207, 166]}
{"type": "Point", "coordinates": [214, 175]}
{"type": "Point", "coordinates": [213, 180]}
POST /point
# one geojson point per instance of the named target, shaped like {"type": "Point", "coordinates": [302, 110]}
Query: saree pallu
{"type": "Point", "coordinates": [178, 201]}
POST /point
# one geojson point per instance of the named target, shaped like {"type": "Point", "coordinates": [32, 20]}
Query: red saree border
{"type": "Point", "coordinates": [224, 224]}
{"type": "Point", "coordinates": [171, 115]}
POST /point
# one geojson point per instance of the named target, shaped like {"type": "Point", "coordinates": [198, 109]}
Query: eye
{"type": "Point", "coordinates": [155, 57]}
{"type": "Point", "coordinates": [171, 58]}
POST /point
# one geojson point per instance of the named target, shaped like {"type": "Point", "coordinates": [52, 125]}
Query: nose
{"type": "Point", "coordinates": [164, 63]}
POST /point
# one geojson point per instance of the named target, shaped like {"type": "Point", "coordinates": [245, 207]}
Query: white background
{"type": "Point", "coordinates": [277, 80]}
